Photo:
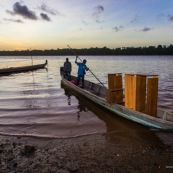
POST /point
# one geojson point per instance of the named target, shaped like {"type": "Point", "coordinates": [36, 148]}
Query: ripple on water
{"type": "Point", "coordinates": [34, 104]}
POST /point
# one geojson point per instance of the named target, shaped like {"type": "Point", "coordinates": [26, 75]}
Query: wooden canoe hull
{"type": "Point", "coordinates": [152, 122]}
{"type": "Point", "coordinates": [22, 69]}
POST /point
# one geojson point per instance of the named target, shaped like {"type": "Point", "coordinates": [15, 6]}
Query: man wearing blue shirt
{"type": "Point", "coordinates": [81, 71]}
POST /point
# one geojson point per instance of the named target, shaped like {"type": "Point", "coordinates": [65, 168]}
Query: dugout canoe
{"type": "Point", "coordinates": [97, 94]}
{"type": "Point", "coordinates": [6, 71]}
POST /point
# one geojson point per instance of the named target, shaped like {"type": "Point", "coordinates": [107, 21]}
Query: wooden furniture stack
{"type": "Point", "coordinates": [141, 92]}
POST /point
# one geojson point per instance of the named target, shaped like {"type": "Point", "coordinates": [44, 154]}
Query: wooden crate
{"type": "Point", "coordinates": [152, 94]}
{"type": "Point", "coordinates": [129, 91]}
{"type": "Point", "coordinates": [115, 81]}
{"type": "Point", "coordinates": [114, 93]}
{"type": "Point", "coordinates": [141, 92]}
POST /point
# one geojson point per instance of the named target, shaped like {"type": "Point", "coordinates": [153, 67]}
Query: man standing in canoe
{"type": "Point", "coordinates": [81, 71]}
{"type": "Point", "coordinates": [67, 69]}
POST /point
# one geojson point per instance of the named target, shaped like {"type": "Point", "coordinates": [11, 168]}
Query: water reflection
{"type": "Point", "coordinates": [118, 129]}
{"type": "Point", "coordinates": [68, 94]}
{"type": "Point", "coordinates": [29, 102]}
{"type": "Point", "coordinates": [80, 107]}
{"type": "Point", "coordinates": [42, 90]}
{"type": "Point", "coordinates": [35, 94]}
{"type": "Point", "coordinates": [122, 131]}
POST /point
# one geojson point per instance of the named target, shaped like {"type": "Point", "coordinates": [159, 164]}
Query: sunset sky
{"type": "Point", "coordinates": [52, 24]}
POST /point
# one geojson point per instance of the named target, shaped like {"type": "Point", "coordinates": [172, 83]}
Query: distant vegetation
{"type": "Point", "coordinates": [151, 50]}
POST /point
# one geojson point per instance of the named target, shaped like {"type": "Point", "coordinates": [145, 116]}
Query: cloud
{"type": "Point", "coordinates": [170, 18]}
{"type": "Point", "coordinates": [84, 22]}
{"type": "Point", "coordinates": [98, 10]}
{"type": "Point", "coordinates": [26, 13]}
{"type": "Point", "coordinates": [161, 15]}
{"type": "Point", "coordinates": [135, 20]}
{"type": "Point", "coordinates": [99, 21]}
{"type": "Point", "coordinates": [117, 28]}
{"type": "Point", "coordinates": [23, 11]}
{"type": "Point", "coordinates": [13, 20]}
{"type": "Point", "coordinates": [10, 12]}
{"type": "Point", "coordinates": [146, 29]}
{"type": "Point", "coordinates": [45, 8]}
{"type": "Point", "coordinates": [45, 16]}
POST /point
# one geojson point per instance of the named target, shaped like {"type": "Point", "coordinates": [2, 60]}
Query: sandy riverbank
{"type": "Point", "coordinates": [83, 154]}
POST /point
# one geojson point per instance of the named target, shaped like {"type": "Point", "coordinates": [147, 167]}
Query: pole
{"type": "Point", "coordinates": [81, 61]}
{"type": "Point", "coordinates": [31, 57]}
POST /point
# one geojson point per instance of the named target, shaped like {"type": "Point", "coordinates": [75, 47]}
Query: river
{"type": "Point", "coordinates": [34, 103]}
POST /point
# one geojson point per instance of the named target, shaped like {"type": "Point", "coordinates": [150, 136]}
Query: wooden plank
{"type": "Point", "coordinates": [140, 93]}
{"type": "Point", "coordinates": [135, 92]}
{"type": "Point", "coordinates": [118, 94]}
{"type": "Point", "coordinates": [114, 81]}
{"type": "Point", "coordinates": [152, 95]}
{"type": "Point", "coordinates": [115, 91]}
{"type": "Point", "coordinates": [146, 75]}
{"type": "Point", "coordinates": [117, 81]}
{"type": "Point", "coordinates": [111, 81]}
{"type": "Point", "coordinates": [114, 96]}
{"type": "Point", "coordinates": [129, 87]}
{"type": "Point", "coordinates": [134, 83]}
{"type": "Point", "coordinates": [108, 96]}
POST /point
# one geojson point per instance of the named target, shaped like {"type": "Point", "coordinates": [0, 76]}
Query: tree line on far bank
{"type": "Point", "coordinates": [151, 50]}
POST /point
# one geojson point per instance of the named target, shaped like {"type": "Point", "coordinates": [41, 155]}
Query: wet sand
{"type": "Point", "coordinates": [124, 147]}
{"type": "Point", "coordinates": [94, 153]}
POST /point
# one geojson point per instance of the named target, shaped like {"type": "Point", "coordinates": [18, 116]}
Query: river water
{"type": "Point", "coordinates": [34, 103]}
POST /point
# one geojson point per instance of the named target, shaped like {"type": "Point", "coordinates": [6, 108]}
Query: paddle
{"type": "Point", "coordinates": [82, 61]}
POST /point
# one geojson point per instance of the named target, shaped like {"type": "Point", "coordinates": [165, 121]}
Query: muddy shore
{"type": "Point", "coordinates": [82, 154]}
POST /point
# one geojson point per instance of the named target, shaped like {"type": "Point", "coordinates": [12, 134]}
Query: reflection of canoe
{"type": "Point", "coordinates": [97, 94]}
{"type": "Point", "coordinates": [118, 130]}
{"type": "Point", "coordinates": [22, 69]}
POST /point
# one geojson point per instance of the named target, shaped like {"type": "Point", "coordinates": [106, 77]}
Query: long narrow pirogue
{"type": "Point", "coordinates": [22, 69]}
{"type": "Point", "coordinates": [97, 94]}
